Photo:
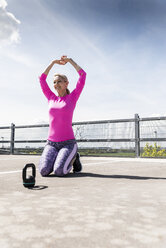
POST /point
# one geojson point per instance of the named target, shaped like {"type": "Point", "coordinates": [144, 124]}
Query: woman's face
{"type": "Point", "coordinates": [60, 84]}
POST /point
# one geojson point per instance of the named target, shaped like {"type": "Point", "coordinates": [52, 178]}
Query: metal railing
{"type": "Point", "coordinates": [135, 138]}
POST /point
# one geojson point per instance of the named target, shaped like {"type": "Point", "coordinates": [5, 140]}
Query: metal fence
{"type": "Point", "coordinates": [129, 134]}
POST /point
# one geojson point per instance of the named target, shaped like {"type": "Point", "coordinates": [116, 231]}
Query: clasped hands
{"type": "Point", "coordinates": [61, 61]}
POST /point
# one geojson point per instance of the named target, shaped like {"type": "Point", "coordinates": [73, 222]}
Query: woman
{"type": "Point", "coordinates": [60, 152]}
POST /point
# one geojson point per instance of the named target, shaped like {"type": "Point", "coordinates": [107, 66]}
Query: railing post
{"type": "Point", "coordinates": [137, 136]}
{"type": "Point", "coordinates": [12, 138]}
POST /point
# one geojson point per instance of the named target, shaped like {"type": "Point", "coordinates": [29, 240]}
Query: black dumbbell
{"type": "Point", "coordinates": [30, 181]}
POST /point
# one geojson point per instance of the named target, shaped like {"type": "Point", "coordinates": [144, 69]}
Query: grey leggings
{"type": "Point", "coordinates": [57, 157]}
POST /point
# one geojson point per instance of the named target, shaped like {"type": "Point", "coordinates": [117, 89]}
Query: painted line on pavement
{"type": "Point", "coordinates": [93, 163]}
{"type": "Point", "coordinates": [9, 172]}
{"type": "Point", "coordinates": [17, 171]}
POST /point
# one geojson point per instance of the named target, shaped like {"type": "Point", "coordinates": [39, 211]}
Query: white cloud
{"type": "Point", "coordinates": [3, 4]}
{"type": "Point", "coordinates": [9, 32]}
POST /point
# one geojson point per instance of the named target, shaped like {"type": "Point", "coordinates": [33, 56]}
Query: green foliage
{"type": "Point", "coordinates": [156, 151]}
{"type": "Point", "coordinates": [34, 152]}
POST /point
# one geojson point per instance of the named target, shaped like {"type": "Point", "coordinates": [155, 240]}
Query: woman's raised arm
{"type": "Point", "coordinates": [82, 76]}
{"type": "Point", "coordinates": [60, 62]}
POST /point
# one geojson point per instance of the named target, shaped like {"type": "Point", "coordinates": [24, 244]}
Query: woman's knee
{"type": "Point", "coordinates": [61, 172]}
{"type": "Point", "coordinates": [64, 160]}
{"type": "Point", "coordinates": [47, 160]}
{"type": "Point", "coordinates": [44, 172]}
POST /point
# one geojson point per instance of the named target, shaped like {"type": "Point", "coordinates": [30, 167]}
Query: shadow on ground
{"type": "Point", "coordinates": [38, 187]}
{"type": "Point", "coordinates": [87, 174]}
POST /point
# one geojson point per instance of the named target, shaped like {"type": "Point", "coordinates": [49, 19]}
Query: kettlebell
{"type": "Point", "coordinates": [30, 181]}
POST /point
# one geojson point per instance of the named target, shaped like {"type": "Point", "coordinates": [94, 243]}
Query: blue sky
{"type": "Point", "coordinates": [121, 44]}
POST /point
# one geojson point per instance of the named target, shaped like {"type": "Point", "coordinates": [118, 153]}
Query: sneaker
{"type": "Point", "coordinates": [77, 166]}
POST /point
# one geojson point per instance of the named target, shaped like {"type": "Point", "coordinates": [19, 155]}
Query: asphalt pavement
{"type": "Point", "coordinates": [113, 203]}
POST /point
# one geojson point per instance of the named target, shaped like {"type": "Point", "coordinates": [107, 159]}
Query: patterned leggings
{"type": "Point", "coordinates": [57, 157]}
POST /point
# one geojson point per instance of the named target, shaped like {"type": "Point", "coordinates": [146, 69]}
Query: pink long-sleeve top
{"type": "Point", "coordinates": [61, 109]}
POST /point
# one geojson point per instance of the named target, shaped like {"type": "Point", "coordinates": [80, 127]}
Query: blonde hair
{"type": "Point", "coordinates": [64, 78]}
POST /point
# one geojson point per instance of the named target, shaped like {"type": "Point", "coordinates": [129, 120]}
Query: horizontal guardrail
{"type": "Point", "coordinates": [137, 139]}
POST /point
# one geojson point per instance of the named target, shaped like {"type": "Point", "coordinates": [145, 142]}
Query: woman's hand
{"type": "Point", "coordinates": [59, 62]}
{"type": "Point", "coordinates": [65, 59]}
{"type": "Point", "coordinates": [77, 67]}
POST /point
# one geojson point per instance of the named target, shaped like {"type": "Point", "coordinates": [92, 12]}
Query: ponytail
{"type": "Point", "coordinates": [68, 91]}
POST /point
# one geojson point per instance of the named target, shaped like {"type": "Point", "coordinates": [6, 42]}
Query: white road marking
{"type": "Point", "coordinates": [9, 172]}
{"type": "Point", "coordinates": [109, 160]}
{"type": "Point", "coordinates": [14, 158]}
{"type": "Point", "coordinates": [18, 171]}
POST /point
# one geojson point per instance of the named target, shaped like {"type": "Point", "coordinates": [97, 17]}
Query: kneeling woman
{"type": "Point", "coordinates": [60, 152]}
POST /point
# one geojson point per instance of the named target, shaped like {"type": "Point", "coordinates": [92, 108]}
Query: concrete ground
{"type": "Point", "coordinates": [113, 203]}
